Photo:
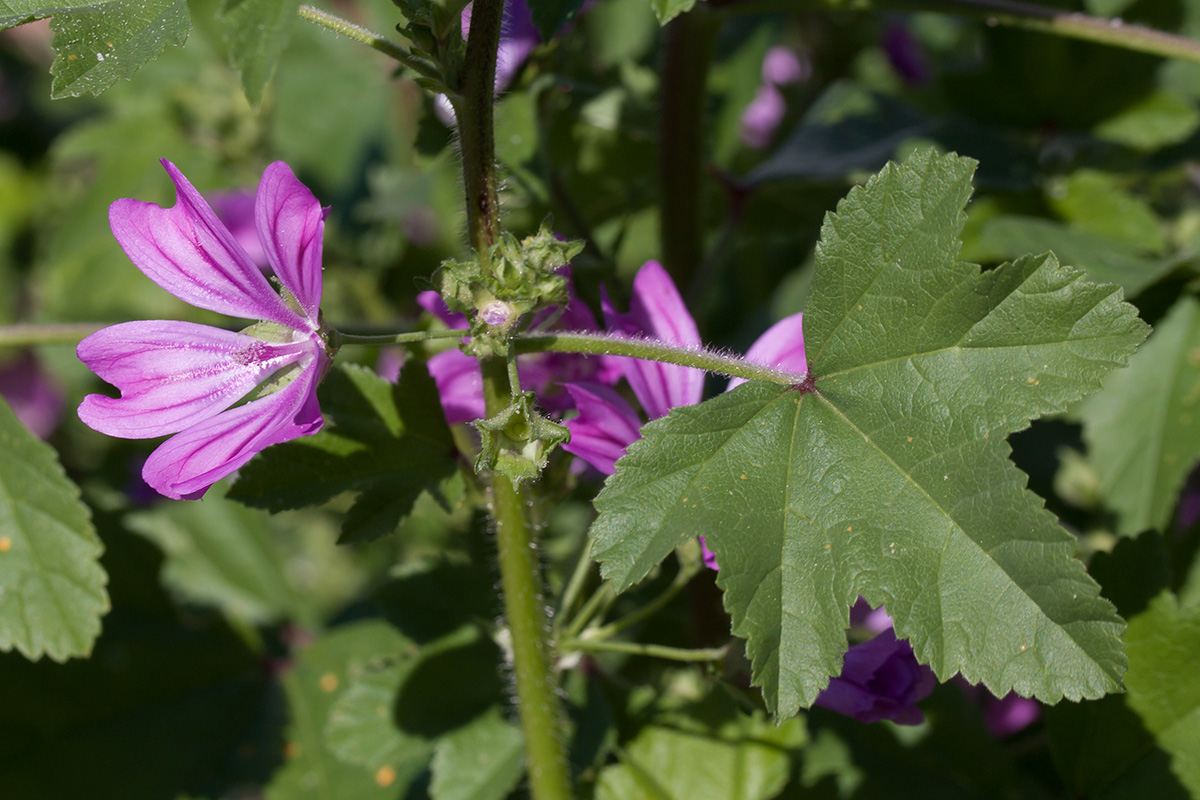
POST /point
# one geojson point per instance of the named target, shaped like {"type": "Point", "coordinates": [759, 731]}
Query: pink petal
{"type": "Point", "coordinates": [236, 211]}
{"type": "Point", "coordinates": [460, 385]}
{"type": "Point", "coordinates": [658, 311]}
{"type": "Point", "coordinates": [782, 347]}
{"type": "Point", "coordinates": [187, 251]}
{"type": "Point", "coordinates": [186, 465]}
{"type": "Point", "coordinates": [605, 427]}
{"type": "Point", "coordinates": [432, 302]}
{"type": "Point", "coordinates": [173, 375]}
{"type": "Point", "coordinates": [291, 224]}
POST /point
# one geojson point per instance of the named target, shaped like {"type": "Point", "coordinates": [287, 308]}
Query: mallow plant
{"type": "Point", "coordinates": [584, 551]}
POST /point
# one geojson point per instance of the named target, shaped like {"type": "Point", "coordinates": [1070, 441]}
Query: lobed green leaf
{"type": "Point", "coordinates": [97, 42]}
{"type": "Point", "coordinates": [52, 587]}
{"type": "Point", "coordinates": [887, 475]}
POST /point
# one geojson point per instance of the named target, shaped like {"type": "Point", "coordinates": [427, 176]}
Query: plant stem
{"type": "Point", "coordinates": [473, 109]}
{"type": "Point", "coordinates": [594, 606]}
{"type": "Point", "coordinates": [520, 580]}
{"type": "Point", "coordinates": [651, 650]}
{"type": "Point", "coordinates": [31, 335]}
{"type": "Point", "coordinates": [537, 698]}
{"type": "Point", "coordinates": [579, 576]}
{"type": "Point", "coordinates": [370, 39]}
{"type": "Point", "coordinates": [607, 345]}
{"type": "Point", "coordinates": [411, 337]}
{"type": "Point", "coordinates": [1072, 25]}
{"type": "Point", "coordinates": [613, 628]}
{"type": "Point", "coordinates": [687, 51]}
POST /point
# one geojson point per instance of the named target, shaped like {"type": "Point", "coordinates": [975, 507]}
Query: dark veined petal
{"type": "Point", "coordinates": [657, 311]}
{"type": "Point", "coordinates": [291, 225]}
{"type": "Point", "coordinates": [186, 250]}
{"type": "Point", "coordinates": [880, 679]}
{"type": "Point", "coordinates": [186, 465]}
{"type": "Point", "coordinates": [606, 425]}
{"type": "Point", "coordinates": [781, 347]}
{"type": "Point", "coordinates": [173, 375]}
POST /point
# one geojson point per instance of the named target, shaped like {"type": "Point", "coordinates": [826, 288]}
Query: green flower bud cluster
{"type": "Point", "coordinates": [522, 277]}
{"type": "Point", "coordinates": [518, 441]}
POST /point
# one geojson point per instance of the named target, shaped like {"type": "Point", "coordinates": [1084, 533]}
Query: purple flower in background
{"type": "Point", "coordinates": [1007, 715]}
{"type": "Point", "coordinates": [32, 394]}
{"type": "Point", "coordinates": [880, 679]}
{"type": "Point", "coordinates": [905, 54]}
{"type": "Point", "coordinates": [1003, 716]}
{"type": "Point", "coordinates": [236, 211]}
{"type": "Point", "coordinates": [780, 67]}
{"type": "Point", "coordinates": [182, 378]}
{"type": "Point", "coordinates": [518, 37]}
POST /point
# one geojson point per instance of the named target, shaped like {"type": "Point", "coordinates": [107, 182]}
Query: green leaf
{"type": "Point", "coordinates": [483, 760]}
{"type": "Point", "coordinates": [221, 553]}
{"type": "Point", "coordinates": [317, 678]}
{"type": "Point", "coordinates": [1145, 743]}
{"type": "Point", "coordinates": [712, 754]}
{"type": "Point", "coordinates": [1101, 258]}
{"type": "Point", "coordinates": [398, 705]}
{"type": "Point", "coordinates": [886, 474]}
{"type": "Point", "coordinates": [1159, 120]}
{"type": "Point", "coordinates": [1096, 203]}
{"type": "Point", "coordinates": [51, 582]}
{"type": "Point", "coordinates": [256, 32]}
{"type": "Point", "coordinates": [668, 10]}
{"type": "Point", "coordinates": [97, 42]}
{"type": "Point", "coordinates": [1164, 649]}
{"type": "Point", "coordinates": [387, 443]}
{"type": "Point", "coordinates": [1143, 430]}
{"type": "Point", "coordinates": [166, 706]}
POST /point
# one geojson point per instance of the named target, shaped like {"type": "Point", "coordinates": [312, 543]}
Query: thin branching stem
{"type": "Point", "coordinates": [371, 39]}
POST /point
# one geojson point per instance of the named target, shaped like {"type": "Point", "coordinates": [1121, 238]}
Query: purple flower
{"type": "Point", "coordinates": [182, 378]}
{"type": "Point", "coordinates": [33, 395]}
{"type": "Point", "coordinates": [905, 54]}
{"type": "Point", "coordinates": [781, 66]}
{"type": "Point", "coordinates": [602, 431]}
{"type": "Point", "coordinates": [1003, 716]}
{"type": "Point", "coordinates": [236, 211]}
{"type": "Point", "coordinates": [880, 679]}
{"type": "Point", "coordinates": [518, 38]}
{"type": "Point", "coordinates": [762, 116]}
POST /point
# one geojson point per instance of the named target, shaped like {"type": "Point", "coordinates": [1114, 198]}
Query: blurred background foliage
{"type": "Point", "coordinates": [250, 655]}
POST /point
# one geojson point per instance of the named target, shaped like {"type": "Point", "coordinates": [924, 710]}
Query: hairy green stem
{"type": "Point", "coordinates": [32, 335]}
{"type": "Point", "coordinates": [380, 339]}
{"type": "Point", "coordinates": [538, 705]}
{"type": "Point", "coordinates": [1072, 25]}
{"type": "Point", "coordinates": [370, 39]}
{"type": "Point", "coordinates": [651, 650]}
{"type": "Point", "coordinates": [524, 608]}
{"type": "Point", "coordinates": [473, 110]}
{"type": "Point", "coordinates": [599, 344]}
{"type": "Point", "coordinates": [687, 52]}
